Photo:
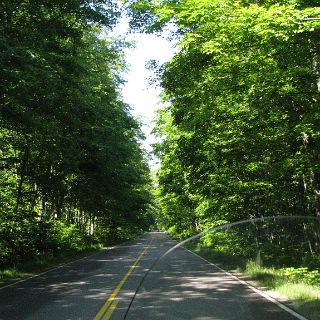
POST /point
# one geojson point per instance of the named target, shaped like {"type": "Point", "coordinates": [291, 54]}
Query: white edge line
{"type": "Point", "coordinates": [65, 264]}
{"type": "Point", "coordinates": [263, 294]}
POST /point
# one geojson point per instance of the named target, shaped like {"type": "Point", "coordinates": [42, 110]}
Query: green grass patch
{"type": "Point", "coordinates": [300, 286]}
{"type": "Point", "coordinates": [55, 243]}
{"type": "Point", "coordinates": [294, 283]}
{"type": "Point", "coordinates": [42, 263]}
{"type": "Point", "coordinates": [228, 261]}
{"type": "Point", "coordinates": [48, 260]}
{"type": "Point", "coordinates": [11, 274]}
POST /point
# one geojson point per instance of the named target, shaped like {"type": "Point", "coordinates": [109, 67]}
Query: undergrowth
{"type": "Point", "coordinates": [300, 286]}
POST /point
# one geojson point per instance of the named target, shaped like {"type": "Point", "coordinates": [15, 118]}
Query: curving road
{"type": "Point", "coordinates": [102, 286]}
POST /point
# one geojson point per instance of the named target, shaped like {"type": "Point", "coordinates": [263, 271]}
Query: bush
{"type": "Point", "coordinates": [29, 240]}
{"type": "Point", "coordinates": [302, 274]}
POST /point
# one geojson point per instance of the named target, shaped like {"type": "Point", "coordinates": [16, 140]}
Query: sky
{"type": "Point", "coordinates": [143, 98]}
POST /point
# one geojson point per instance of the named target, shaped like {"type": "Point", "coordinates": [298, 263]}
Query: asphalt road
{"type": "Point", "coordinates": [101, 287]}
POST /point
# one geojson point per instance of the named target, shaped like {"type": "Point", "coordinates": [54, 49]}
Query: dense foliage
{"type": "Point", "coordinates": [241, 134]}
{"type": "Point", "coordinates": [71, 165]}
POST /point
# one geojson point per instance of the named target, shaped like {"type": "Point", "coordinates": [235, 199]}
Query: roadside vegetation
{"type": "Point", "coordinates": [240, 133]}
{"type": "Point", "coordinates": [44, 262]}
{"type": "Point", "coordinates": [73, 174]}
{"type": "Point", "coordinates": [279, 255]}
{"type": "Point", "coordinates": [299, 287]}
{"type": "Point", "coordinates": [70, 244]}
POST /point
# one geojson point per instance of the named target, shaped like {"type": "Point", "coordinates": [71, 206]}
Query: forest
{"type": "Point", "coordinates": [241, 130]}
{"type": "Point", "coordinates": [239, 133]}
{"type": "Point", "coordinates": [240, 136]}
{"type": "Point", "coordinates": [72, 169]}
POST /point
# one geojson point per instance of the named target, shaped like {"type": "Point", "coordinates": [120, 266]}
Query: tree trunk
{"type": "Point", "coordinates": [23, 167]}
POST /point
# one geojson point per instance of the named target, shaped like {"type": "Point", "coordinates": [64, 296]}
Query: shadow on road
{"type": "Point", "coordinates": [183, 286]}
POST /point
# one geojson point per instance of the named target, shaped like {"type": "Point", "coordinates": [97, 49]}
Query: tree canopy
{"type": "Point", "coordinates": [71, 159]}
{"type": "Point", "coordinates": [241, 131]}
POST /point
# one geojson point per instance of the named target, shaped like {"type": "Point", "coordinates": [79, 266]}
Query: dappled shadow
{"type": "Point", "coordinates": [311, 308]}
{"type": "Point", "coordinates": [78, 290]}
{"type": "Point", "coordinates": [183, 286]}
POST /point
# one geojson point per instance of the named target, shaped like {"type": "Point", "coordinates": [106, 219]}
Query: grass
{"type": "Point", "coordinates": [42, 263]}
{"type": "Point", "coordinates": [12, 273]}
{"type": "Point", "coordinates": [303, 297]}
{"type": "Point", "coordinates": [298, 286]}
{"type": "Point", "coordinates": [46, 261]}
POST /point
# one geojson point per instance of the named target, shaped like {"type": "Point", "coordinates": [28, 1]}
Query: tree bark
{"type": "Point", "coordinates": [23, 167]}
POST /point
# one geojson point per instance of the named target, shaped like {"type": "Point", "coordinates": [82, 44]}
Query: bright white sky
{"type": "Point", "coordinates": [143, 98]}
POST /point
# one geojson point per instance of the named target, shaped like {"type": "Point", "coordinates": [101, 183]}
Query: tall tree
{"type": "Point", "coordinates": [242, 126]}
{"type": "Point", "coordinates": [70, 150]}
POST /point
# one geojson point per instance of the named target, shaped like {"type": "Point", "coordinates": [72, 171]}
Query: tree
{"type": "Point", "coordinates": [71, 158]}
{"type": "Point", "coordinates": [242, 127]}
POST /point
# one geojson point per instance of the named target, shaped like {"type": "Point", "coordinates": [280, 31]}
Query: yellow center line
{"type": "Point", "coordinates": [110, 305]}
{"type": "Point", "coordinates": [110, 310]}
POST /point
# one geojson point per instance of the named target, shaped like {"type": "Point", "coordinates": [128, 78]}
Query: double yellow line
{"type": "Point", "coordinates": [110, 305]}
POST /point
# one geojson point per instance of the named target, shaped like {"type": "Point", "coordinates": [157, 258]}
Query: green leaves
{"type": "Point", "coordinates": [70, 150]}
{"type": "Point", "coordinates": [243, 92]}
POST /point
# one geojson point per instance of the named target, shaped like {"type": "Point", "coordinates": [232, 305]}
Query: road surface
{"type": "Point", "coordinates": [102, 286]}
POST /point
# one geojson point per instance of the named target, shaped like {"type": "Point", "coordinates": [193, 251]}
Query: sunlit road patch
{"type": "Point", "coordinates": [180, 286]}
